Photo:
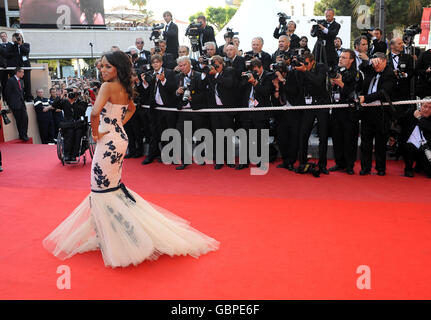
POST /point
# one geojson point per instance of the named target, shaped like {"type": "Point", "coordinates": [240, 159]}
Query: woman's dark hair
{"type": "Point", "coordinates": [124, 67]}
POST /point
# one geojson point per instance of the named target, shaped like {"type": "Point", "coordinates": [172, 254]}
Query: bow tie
{"type": "Point", "coordinates": [395, 55]}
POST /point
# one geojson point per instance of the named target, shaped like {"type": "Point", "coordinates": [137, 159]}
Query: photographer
{"type": "Point", "coordinates": [326, 31]}
{"type": "Point", "coordinates": [313, 79]}
{"type": "Point", "coordinates": [283, 52]}
{"type": "Point", "coordinates": [378, 86]}
{"type": "Point", "coordinates": [138, 62]}
{"type": "Point", "coordinates": [415, 140]}
{"type": "Point", "coordinates": [402, 64]}
{"type": "Point", "coordinates": [361, 48]}
{"type": "Point", "coordinates": [161, 85]}
{"type": "Point", "coordinates": [206, 33]}
{"type": "Point", "coordinates": [338, 43]}
{"type": "Point", "coordinates": [74, 124]}
{"type": "Point", "coordinates": [57, 115]}
{"type": "Point", "coordinates": [345, 121]}
{"type": "Point", "coordinates": [168, 59]}
{"type": "Point", "coordinates": [287, 31]}
{"type": "Point", "coordinates": [18, 54]}
{"type": "Point", "coordinates": [4, 57]}
{"type": "Point", "coordinates": [256, 93]}
{"type": "Point", "coordinates": [222, 87]}
{"type": "Point", "coordinates": [423, 71]}
{"type": "Point", "coordinates": [257, 52]}
{"type": "Point", "coordinates": [228, 38]}
{"type": "Point", "coordinates": [209, 51]}
{"type": "Point", "coordinates": [170, 35]}
{"type": "Point", "coordinates": [378, 42]}
{"type": "Point", "coordinates": [45, 119]}
{"type": "Point", "coordinates": [184, 51]}
{"type": "Point", "coordinates": [144, 54]}
{"type": "Point", "coordinates": [191, 94]}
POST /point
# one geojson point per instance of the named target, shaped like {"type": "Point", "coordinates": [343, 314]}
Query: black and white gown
{"type": "Point", "coordinates": [125, 227]}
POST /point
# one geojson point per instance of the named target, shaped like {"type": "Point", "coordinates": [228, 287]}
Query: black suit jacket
{"type": "Point", "coordinates": [265, 57]}
{"type": "Point", "coordinates": [18, 55]}
{"type": "Point", "coordinates": [387, 83]}
{"type": "Point", "coordinates": [171, 37]}
{"type": "Point", "coordinates": [169, 61]}
{"type": "Point", "coordinates": [378, 46]}
{"type": "Point", "coordinates": [13, 94]}
{"type": "Point", "coordinates": [294, 39]}
{"type": "Point", "coordinates": [333, 30]}
{"type": "Point", "coordinates": [227, 86]}
{"type": "Point", "coordinates": [197, 87]}
{"type": "Point", "coordinates": [262, 91]}
{"type": "Point", "coordinates": [145, 55]}
{"type": "Point", "coordinates": [409, 122]}
{"type": "Point", "coordinates": [3, 55]}
{"type": "Point", "coordinates": [206, 35]}
{"type": "Point", "coordinates": [167, 91]}
{"type": "Point", "coordinates": [314, 82]}
{"type": "Point", "coordinates": [402, 90]}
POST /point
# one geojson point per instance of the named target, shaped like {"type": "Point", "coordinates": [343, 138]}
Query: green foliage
{"type": "Point", "coordinates": [218, 17]}
{"type": "Point", "coordinates": [139, 3]}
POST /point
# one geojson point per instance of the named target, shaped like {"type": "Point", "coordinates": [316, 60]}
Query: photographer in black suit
{"type": "Point", "coordinates": [256, 91]}
{"type": "Point", "coordinates": [415, 140]}
{"type": "Point", "coordinates": [191, 94]}
{"type": "Point", "coordinates": [170, 35]}
{"type": "Point", "coordinates": [378, 86]}
{"type": "Point", "coordinates": [19, 57]}
{"type": "Point", "coordinates": [290, 32]}
{"type": "Point", "coordinates": [206, 33]}
{"type": "Point", "coordinates": [345, 121]}
{"type": "Point", "coordinates": [161, 85]}
{"type": "Point", "coordinates": [184, 51]}
{"type": "Point", "coordinates": [14, 96]}
{"type": "Point", "coordinates": [222, 87]}
{"type": "Point", "coordinates": [284, 51]}
{"type": "Point", "coordinates": [257, 52]}
{"type": "Point", "coordinates": [378, 42]}
{"type": "Point", "coordinates": [313, 80]}
{"type": "Point", "coordinates": [73, 126]}
{"type": "Point", "coordinates": [144, 54]}
{"type": "Point", "coordinates": [327, 32]}
{"type": "Point", "coordinates": [5, 52]}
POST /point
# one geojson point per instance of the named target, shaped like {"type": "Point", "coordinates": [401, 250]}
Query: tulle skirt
{"type": "Point", "coordinates": [126, 232]}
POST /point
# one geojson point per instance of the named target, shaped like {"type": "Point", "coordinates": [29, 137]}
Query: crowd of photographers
{"type": "Point", "coordinates": [174, 76]}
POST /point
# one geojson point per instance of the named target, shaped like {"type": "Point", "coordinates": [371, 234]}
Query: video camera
{"type": "Point", "coordinates": [230, 33]}
{"type": "Point", "coordinates": [155, 35]}
{"type": "Point", "coordinates": [409, 34]}
{"type": "Point", "coordinates": [282, 19]}
{"type": "Point", "coordinates": [315, 30]}
{"type": "Point", "coordinates": [192, 32]}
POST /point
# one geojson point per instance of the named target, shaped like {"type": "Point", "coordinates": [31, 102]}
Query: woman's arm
{"type": "Point", "coordinates": [130, 111]}
{"type": "Point", "coordinates": [101, 100]}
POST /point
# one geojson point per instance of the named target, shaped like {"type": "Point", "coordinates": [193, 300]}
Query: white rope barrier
{"type": "Point", "coordinates": [288, 108]}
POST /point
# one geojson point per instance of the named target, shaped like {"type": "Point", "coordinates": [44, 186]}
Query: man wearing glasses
{"type": "Point", "coordinates": [142, 53]}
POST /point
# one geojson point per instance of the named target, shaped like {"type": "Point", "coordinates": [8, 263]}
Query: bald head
{"type": "Point", "coordinates": [397, 45]}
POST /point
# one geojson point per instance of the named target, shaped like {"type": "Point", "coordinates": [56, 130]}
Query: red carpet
{"type": "Point", "coordinates": [283, 235]}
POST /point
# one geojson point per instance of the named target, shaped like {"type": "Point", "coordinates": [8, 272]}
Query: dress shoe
{"type": "Point", "coordinates": [25, 138]}
{"type": "Point", "coordinates": [300, 169]}
{"type": "Point", "coordinates": [241, 166]}
{"type": "Point", "coordinates": [147, 160]}
{"type": "Point", "coordinates": [364, 172]}
{"type": "Point", "coordinates": [349, 171]}
{"type": "Point", "coordinates": [218, 166]}
{"type": "Point", "coordinates": [336, 168]}
{"type": "Point", "coordinates": [1, 169]}
{"type": "Point", "coordinates": [128, 156]}
{"type": "Point", "coordinates": [181, 167]}
{"type": "Point", "coordinates": [409, 173]}
{"type": "Point", "coordinates": [381, 173]}
{"type": "Point", "coordinates": [323, 170]}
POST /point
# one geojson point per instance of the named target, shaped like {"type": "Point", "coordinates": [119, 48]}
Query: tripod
{"type": "Point", "coordinates": [321, 51]}
{"type": "Point", "coordinates": [195, 54]}
{"type": "Point", "coordinates": [411, 49]}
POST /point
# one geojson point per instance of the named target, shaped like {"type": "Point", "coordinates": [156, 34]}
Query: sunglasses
{"type": "Point", "coordinates": [140, 42]}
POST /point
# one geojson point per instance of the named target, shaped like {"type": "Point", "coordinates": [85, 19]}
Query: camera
{"type": "Point", "coordinates": [409, 34]}
{"type": "Point", "coordinates": [155, 35]}
{"type": "Point", "coordinates": [297, 61]}
{"type": "Point", "coordinates": [149, 76]}
{"type": "Point", "coordinates": [282, 19]}
{"type": "Point", "coordinates": [315, 30]}
{"type": "Point", "coordinates": [425, 147]}
{"type": "Point", "coordinates": [247, 75]}
{"type": "Point", "coordinates": [230, 33]}
{"type": "Point", "coordinates": [333, 72]}
{"type": "Point", "coordinates": [402, 68]}
{"type": "Point", "coordinates": [193, 29]}
{"type": "Point", "coordinates": [3, 114]}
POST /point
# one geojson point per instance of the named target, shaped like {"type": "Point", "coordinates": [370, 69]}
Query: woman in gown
{"type": "Point", "coordinates": [125, 227]}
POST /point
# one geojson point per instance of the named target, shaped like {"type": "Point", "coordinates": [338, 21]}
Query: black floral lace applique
{"type": "Point", "coordinates": [101, 179]}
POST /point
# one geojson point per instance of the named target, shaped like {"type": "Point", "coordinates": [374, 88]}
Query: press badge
{"type": "Point", "coordinates": [252, 103]}
{"type": "Point", "coordinates": [308, 100]}
{"type": "Point", "coordinates": [24, 58]}
{"type": "Point", "coordinates": [336, 96]}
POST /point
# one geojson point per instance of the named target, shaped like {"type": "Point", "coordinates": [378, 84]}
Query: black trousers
{"type": "Point", "coordinates": [165, 120]}
{"type": "Point", "coordinates": [4, 76]}
{"type": "Point", "coordinates": [253, 120]}
{"type": "Point", "coordinates": [288, 124]}
{"type": "Point", "coordinates": [223, 121]}
{"type": "Point", "coordinates": [135, 135]}
{"type": "Point", "coordinates": [307, 123]}
{"type": "Point", "coordinates": [58, 118]}
{"type": "Point", "coordinates": [27, 85]}
{"type": "Point", "coordinates": [0, 159]}
{"type": "Point", "coordinates": [72, 141]}
{"type": "Point", "coordinates": [21, 119]}
{"type": "Point", "coordinates": [413, 155]}
{"type": "Point", "coordinates": [46, 128]}
{"type": "Point", "coordinates": [375, 125]}
{"type": "Point", "coordinates": [345, 131]}
{"type": "Point", "coordinates": [199, 120]}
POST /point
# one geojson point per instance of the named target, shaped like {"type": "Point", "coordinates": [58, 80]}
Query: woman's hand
{"type": "Point", "coordinates": [99, 135]}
